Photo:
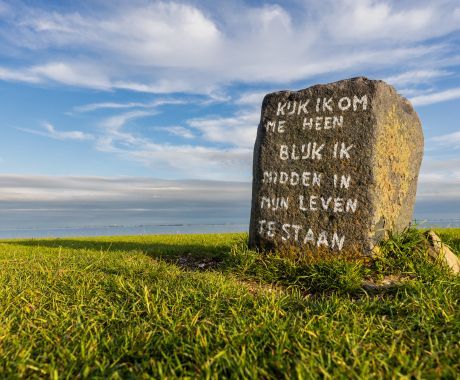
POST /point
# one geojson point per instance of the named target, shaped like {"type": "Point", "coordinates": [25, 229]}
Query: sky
{"type": "Point", "coordinates": [101, 100]}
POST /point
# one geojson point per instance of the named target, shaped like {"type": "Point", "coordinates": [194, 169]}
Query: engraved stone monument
{"type": "Point", "coordinates": [335, 167]}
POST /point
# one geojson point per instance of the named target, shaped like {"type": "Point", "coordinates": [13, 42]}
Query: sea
{"type": "Point", "coordinates": [51, 220]}
{"type": "Point", "coordinates": [151, 229]}
{"type": "Point", "coordinates": [64, 221]}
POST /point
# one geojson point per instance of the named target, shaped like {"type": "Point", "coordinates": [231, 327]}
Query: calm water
{"type": "Point", "coordinates": [161, 229]}
{"type": "Point", "coordinates": [105, 219]}
{"type": "Point", "coordinates": [123, 230]}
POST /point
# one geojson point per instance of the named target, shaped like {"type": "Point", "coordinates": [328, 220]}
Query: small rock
{"type": "Point", "coordinates": [439, 251]}
{"type": "Point", "coordinates": [387, 283]}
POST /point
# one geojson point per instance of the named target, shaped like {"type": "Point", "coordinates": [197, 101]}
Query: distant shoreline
{"type": "Point", "coordinates": [152, 229]}
{"type": "Point", "coordinates": [162, 229]}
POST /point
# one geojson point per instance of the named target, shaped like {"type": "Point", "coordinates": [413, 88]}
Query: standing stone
{"type": "Point", "coordinates": [335, 167]}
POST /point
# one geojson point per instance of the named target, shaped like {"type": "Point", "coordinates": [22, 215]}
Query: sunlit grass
{"type": "Point", "coordinates": [207, 306]}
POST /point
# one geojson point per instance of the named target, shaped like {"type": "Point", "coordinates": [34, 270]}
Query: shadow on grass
{"type": "Point", "coordinates": [401, 257]}
{"type": "Point", "coordinates": [188, 255]}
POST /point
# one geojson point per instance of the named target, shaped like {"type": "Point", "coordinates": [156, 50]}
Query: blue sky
{"type": "Point", "coordinates": [172, 90]}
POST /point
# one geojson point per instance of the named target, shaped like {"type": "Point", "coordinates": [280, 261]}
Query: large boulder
{"type": "Point", "coordinates": [335, 167]}
{"type": "Point", "coordinates": [442, 253]}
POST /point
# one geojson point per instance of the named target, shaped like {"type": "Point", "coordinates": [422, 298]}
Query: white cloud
{"type": "Point", "coordinates": [165, 32]}
{"type": "Point", "coordinates": [192, 161]}
{"type": "Point", "coordinates": [113, 135]}
{"type": "Point", "coordinates": [239, 130]}
{"type": "Point", "coordinates": [195, 161]}
{"type": "Point", "coordinates": [171, 34]}
{"type": "Point", "coordinates": [413, 92]}
{"type": "Point", "coordinates": [165, 47]}
{"type": "Point", "coordinates": [115, 123]}
{"type": "Point", "coordinates": [112, 105]}
{"type": "Point", "coordinates": [160, 86]}
{"type": "Point", "coordinates": [74, 74]}
{"type": "Point", "coordinates": [18, 75]}
{"type": "Point", "coordinates": [450, 139]}
{"type": "Point", "coordinates": [439, 179]}
{"type": "Point", "coordinates": [26, 188]}
{"type": "Point", "coordinates": [370, 20]}
{"type": "Point", "coordinates": [436, 97]}
{"type": "Point", "coordinates": [180, 131]}
{"type": "Point", "coordinates": [50, 131]}
{"type": "Point", "coordinates": [108, 105]}
{"type": "Point", "coordinates": [169, 47]}
{"type": "Point", "coordinates": [456, 14]}
{"type": "Point", "coordinates": [93, 75]}
{"type": "Point", "coordinates": [251, 98]}
{"type": "Point", "coordinates": [415, 77]}
{"type": "Point", "coordinates": [71, 74]}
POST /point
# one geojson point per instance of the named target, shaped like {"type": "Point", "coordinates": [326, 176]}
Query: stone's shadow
{"type": "Point", "coordinates": [188, 256]}
{"type": "Point", "coordinates": [197, 256]}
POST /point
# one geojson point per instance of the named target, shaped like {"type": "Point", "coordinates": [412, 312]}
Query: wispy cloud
{"type": "Point", "coordinates": [83, 74]}
{"type": "Point", "coordinates": [450, 139]}
{"type": "Point", "coordinates": [19, 75]}
{"type": "Point", "coordinates": [238, 130]}
{"type": "Point", "coordinates": [230, 159]}
{"type": "Point", "coordinates": [253, 98]}
{"type": "Point", "coordinates": [112, 105]}
{"type": "Point", "coordinates": [178, 130]}
{"type": "Point", "coordinates": [50, 131]}
{"type": "Point", "coordinates": [367, 20]}
{"type": "Point", "coordinates": [176, 47]}
{"type": "Point", "coordinates": [416, 77]}
{"type": "Point", "coordinates": [108, 105]}
{"type": "Point", "coordinates": [436, 97]}
{"type": "Point", "coordinates": [414, 91]}
{"type": "Point", "coordinates": [214, 57]}
{"type": "Point", "coordinates": [25, 188]}
{"type": "Point", "coordinates": [194, 161]}
{"type": "Point", "coordinates": [439, 179]}
{"type": "Point", "coordinates": [79, 74]}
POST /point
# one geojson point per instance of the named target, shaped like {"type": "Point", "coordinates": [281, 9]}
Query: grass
{"type": "Point", "coordinates": [206, 306]}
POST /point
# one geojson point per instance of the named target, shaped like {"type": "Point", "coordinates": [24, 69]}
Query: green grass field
{"type": "Point", "coordinates": [206, 306]}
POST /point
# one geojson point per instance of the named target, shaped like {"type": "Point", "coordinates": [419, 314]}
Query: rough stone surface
{"type": "Point", "coordinates": [439, 251]}
{"type": "Point", "coordinates": [388, 283]}
{"type": "Point", "coordinates": [335, 167]}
